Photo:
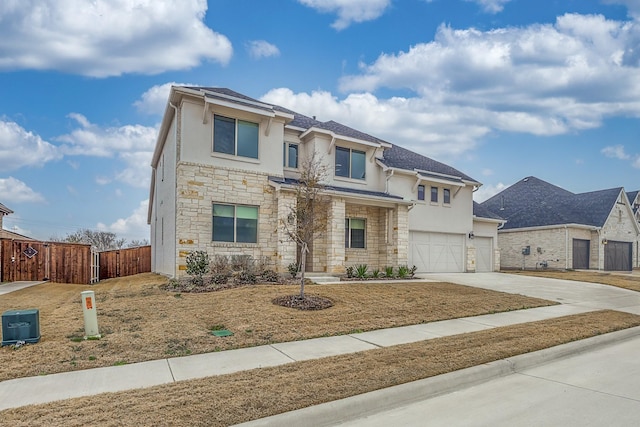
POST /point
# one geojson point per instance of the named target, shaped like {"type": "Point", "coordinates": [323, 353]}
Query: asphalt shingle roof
{"type": "Point", "coordinates": [292, 181]}
{"type": "Point", "coordinates": [532, 202]}
{"type": "Point", "coordinates": [396, 157]}
{"type": "Point", "coordinates": [482, 212]}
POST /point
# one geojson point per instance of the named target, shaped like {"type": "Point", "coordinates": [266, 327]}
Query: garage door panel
{"type": "Point", "coordinates": [617, 256]}
{"type": "Point", "coordinates": [436, 252]}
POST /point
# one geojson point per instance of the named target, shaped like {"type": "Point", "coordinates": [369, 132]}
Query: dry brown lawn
{"type": "Point", "coordinates": [140, 321]}
{"type": "Point", "coordinates": [621, 280]}
{"type": "Point", "coordinates": [243, 396]}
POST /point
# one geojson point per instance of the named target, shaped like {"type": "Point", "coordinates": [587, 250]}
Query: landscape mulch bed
{"type": "Point", "coordinates": [243, 396]}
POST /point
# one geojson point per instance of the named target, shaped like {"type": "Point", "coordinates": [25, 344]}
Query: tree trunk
{"type": "Point", "coordinates": [303, 263]}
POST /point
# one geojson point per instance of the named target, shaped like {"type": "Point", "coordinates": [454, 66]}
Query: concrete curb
{"type": "Point", "coordinates": [331, 413]}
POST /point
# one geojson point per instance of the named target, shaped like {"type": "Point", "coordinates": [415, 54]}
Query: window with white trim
{"type": "Point", "coordinates": [446, 196]}
{"type": "Point", "coordinates": [235, 223]}
{"type": "Point", "coordinates": [350, 163]}
{"type": "Point", "coordinates": [434, 194]}
{"type": "Point", "coordinates": [235, 137]}
{"type": "Point", "coordinates": [290, 155]}
{"type": "Point", "coordinates": [354, 233]}
{"type": "Point", "coordinates": [420, 192]}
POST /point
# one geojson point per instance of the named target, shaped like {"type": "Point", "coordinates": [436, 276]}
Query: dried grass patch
{"type": "Point", "coordinates": [626, 281]}
{"type": "Point", "coordinates": [140, 321]}
{"type": "Point", "coordinates": [243, 396]}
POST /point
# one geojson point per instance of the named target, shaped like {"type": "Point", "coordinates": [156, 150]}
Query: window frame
{"type": "Point", "coordinates": [235, 222]}
{"type": "Point", "coordinates": [421, 194]}
{"type": "Point", "coordinates": [286, 158]}
{"type": "Point", "coordinates": [236, 131]}
{"type": "Point", "coordinates": [434, 194]}
{"type": "Point", "coordinates": [348, 242]}
{"type": "Point", "coordinates": [349, 167]}
{"type": "Point", "coordinates": [446, 196]}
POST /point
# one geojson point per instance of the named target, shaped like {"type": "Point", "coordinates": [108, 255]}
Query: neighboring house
{"type": "Point", "coordinates": [549, 226]}
{"type": "Point", "coordinates": [6, 234]}
{"type": "Point", "coordinates": [225, 168]}
{"type": "Point", "coordinates": [634, 199]}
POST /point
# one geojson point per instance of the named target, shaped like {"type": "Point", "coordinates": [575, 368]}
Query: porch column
{"type": "Point", "coordinates": [398, 250]}
{"type": "Point", "coordinates": [335, 236]}
{"type": "Point", "coordinates": [286, 248]}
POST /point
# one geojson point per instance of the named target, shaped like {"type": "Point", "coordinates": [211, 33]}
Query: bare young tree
{"type": "Point", "coordinates": [302, 224]}
{"type": "Point", "coordinates": [99, 240]}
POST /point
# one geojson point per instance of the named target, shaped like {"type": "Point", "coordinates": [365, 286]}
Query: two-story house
{"type": "Point", "coordinates": [225, 169]}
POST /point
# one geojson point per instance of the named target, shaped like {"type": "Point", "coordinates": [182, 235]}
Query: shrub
{"type": "Point", "coordinates": [293, 269]}
{"type": "Point", "coordinates": [220, 264]}
{"type": "Point", "coordinates": [403, 272]}
{"type": "Point", "coordinates": [242, 262]}
{"type": "Point", "coordinates": [412, 271]}
{"type": "Point", "coordinates": [388, 271]}
{"type": "Point", "coordinates": [375, 273]}
{"type": "Point", "coordinates": [349, 271]}
{"type": "Point", "coordinates": [197, 266]}
{"type": "Point", "coordinates": [246, 277]}
{"type": "Point", "coordinates": [361, 271]}
{"type": "Point", "coordinates": [220, 278]}
{"type": "Point", "coordinates": [270, 276]}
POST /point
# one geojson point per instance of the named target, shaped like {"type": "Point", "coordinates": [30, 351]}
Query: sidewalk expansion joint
{"type": "Point", "coordinates": [282, 352]}
{"type": "Point", "coordinates": [368, 342]}
{"type": "Point", "coordinates": [171, 370]}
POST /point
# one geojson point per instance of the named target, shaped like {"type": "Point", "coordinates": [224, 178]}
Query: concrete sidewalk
{"type": "Point", "coordinates": [49, 388]}
{"type": "Point", "coordinates": [16, 286]}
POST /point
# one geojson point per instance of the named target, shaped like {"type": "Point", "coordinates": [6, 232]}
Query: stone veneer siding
{"type": "Point", "coordinates": [556, 247]}
{"type": "Point", "coordinates": [199, 186]}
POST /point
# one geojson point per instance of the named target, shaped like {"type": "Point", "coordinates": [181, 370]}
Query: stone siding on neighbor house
{"type": "Point", "coordinates": [553, 245]}
{"type": "Point", "coordinates": [199, 186]}
{"type": "Point", "coordinates": [619, 227]}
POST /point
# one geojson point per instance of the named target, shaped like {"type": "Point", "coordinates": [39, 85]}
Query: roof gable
{"type": "Point", "coordinates": [532, 202]}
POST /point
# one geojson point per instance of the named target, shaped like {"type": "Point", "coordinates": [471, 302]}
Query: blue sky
{"type": "Point", "coordinates": [500, 89]}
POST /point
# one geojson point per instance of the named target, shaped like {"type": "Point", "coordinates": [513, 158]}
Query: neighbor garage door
{"type": "Point", "coordinates": [436, 252]}
{"type": "Point", "coordinates": [484, 253]}
{"type": "Point", "coordinates": [617, 256]}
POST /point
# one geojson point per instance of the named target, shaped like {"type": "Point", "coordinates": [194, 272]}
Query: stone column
{"type": "Point", "coordinates": [335, 236]}
{"type": "Point", "coordinates": [398, 246]}
{"type": "Point", "coordinates": [286, 248]}
{"type": "Point", "coordinates": [471, 259]}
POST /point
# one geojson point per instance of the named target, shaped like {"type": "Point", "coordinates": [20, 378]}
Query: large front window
{"type": "Point", "coordinates": [350, 163]}
{"type": "Point", "coordinates": [235, 223]}
{"type": "Point", "coordinates": [354, 233]}
{"type": "Point", "coordinates": [235, 137]}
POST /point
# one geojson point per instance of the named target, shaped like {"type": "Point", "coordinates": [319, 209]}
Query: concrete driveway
{"type": "Point", "coordinates": [579, 294]}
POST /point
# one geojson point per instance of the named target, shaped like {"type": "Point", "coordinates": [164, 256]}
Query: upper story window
{"type": "Point", "coordinates": [434, 194]}
{"type": "Point", "coordinates": [446, 196]}
{"type": "Point", "coordinates": [290, 155]}
{"type": "Point", "coordinates": [350, 163]}
{"type": "Point", "coordinates": [235, 223]}
{"type": "Point", "coordinates": [235, 137]}
{"type": "Point", "coordinates": [420, 192]}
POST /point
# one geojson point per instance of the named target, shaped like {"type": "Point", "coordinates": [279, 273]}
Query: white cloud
{"type": "Point", "coordinates": [633, 6]}
{"type": "Point", "coordinates": [259, 49]}
{"type": "Point", "coordinates": [108, 37]}
{"type": "Point", "coordinates": [349, 11]}
{"type": "Point", "coordinates": [636, 162]}
{"type": "Point", "coordinates": [540, 79]}
{"type": "Point", "coordinates": [16, 191]}
{"type": "Point", "coordinates": [487, 172]}
{"type": "Point", "coordinates": [491, 6]}
{"type": "Point", "coordinates": [132, 144]}
{"type": "Point", "coordinates": [154, 100]}
{"type": "Point", "coordinates": [416, 124]}
{"type": "Point", "coordinates": [487, 191]}
{"type": "Point", "coordinates": [134, 227]}
{"type": "Point", "coordinates": [20, 148]}
{"type": "Point", "coordinates": [615, 152]}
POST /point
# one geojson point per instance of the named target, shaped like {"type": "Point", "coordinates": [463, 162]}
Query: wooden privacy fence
{"type": "Point", "coordinates": [125, 262]}
{"type": "Point", "coordinates": [32, 260]}
{"type": "Point", "coordinates": [59, 262]}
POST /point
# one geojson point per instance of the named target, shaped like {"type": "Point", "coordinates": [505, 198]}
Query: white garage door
{"type": "Point", "coordinates": [484, 253]}
{"type": "Point", "coordinates": [436, 252]}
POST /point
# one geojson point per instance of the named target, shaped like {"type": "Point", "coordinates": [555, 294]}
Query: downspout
{"type": "Point", "coordinates": [175, 190]}
{"type": "Point", "coordinates": [386, 183]}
